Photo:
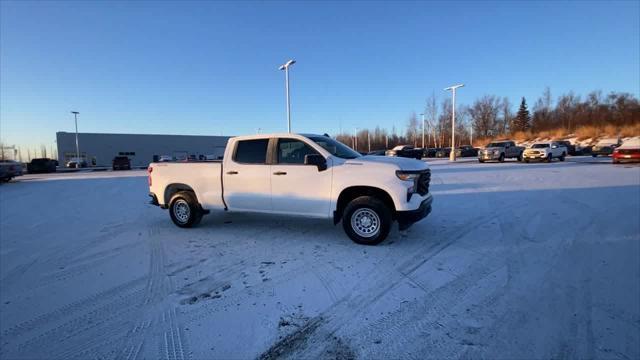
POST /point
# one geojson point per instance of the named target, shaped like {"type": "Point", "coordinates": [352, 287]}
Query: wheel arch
{"type": "Point", "coordinates": [172, 189]}
{"type": "Point", "coordinates": [353, 192]}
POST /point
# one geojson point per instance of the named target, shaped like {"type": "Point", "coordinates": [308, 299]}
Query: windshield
{"type": "Point", "coordinates": [497, 144]}
{"type": "Point", "coordinates": [335, 147]}
{"type": "Point", "coordinates": [539, 146]}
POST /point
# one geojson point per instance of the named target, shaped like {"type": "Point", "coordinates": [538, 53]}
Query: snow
{"type": "Point", "coordinates": [515, 261]}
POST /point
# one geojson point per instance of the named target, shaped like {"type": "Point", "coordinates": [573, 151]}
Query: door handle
{"type": "Point", "coordinates": [280, 173]}
{"type": "Point", "coordinates": [232, 173]}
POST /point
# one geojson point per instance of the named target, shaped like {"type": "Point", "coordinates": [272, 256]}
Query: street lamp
{"type": "Point", "coordinates": [452, 154]}
{"type": "Point", "coordinates": [355, 138]}
{"type": "Point", "coordinates": [285, 67]}
{"type": "Point", "coordinates": [75, 115]}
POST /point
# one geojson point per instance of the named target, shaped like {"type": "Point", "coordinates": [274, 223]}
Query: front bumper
{"type": "Point", "coordinates": [408, 218]}
{"type": "Point", "coordinates": [488, 156]}
{"type": "Point", "coordinates": [626, 157]}
{"type": "Point", "coordinates": [540, 156]}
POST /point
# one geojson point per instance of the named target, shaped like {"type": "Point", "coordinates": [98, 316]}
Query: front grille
{"type": "Point", "coordinates": [423, 182]}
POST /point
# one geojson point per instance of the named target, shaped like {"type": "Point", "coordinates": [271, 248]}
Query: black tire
{"type": "Point", "coordinates": [520, 157]}
{"type": "Point", "coordinates": [562, 156]}
{"type": "Point", "coordinates": [363, 206]}
{"type": "Point", "coordinates": [594, 155]}
{"type": "Point", "coordinates": [501, 159]}
{"type": "Point", "coordinates": [481, 160]}
{"type": "Point", "coordinates": [184, 209]}
{"type": "Point", "coordinates": [549, 158]}
{"type": "Point", "coordinates": [526, 160]}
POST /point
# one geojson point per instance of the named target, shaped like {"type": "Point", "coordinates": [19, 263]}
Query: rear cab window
{"type": "Point", "coordinates": [251, 151]}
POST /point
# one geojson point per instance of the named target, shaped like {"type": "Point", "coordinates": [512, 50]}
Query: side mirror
{"type": "Point", "coordinates": [316, 160]}
{"type": "Point", "coordinates": [554, 146]}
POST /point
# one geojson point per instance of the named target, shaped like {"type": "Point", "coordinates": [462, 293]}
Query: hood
{"type": "Point", "coordinates": [399, 163]}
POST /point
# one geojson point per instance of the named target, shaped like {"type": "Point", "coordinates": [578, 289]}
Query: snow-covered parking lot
{"type": "Point", "coordinates": [515, 261]}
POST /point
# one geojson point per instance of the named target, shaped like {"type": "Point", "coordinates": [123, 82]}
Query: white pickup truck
{"type": "Point", "coordinates": [302, 175]}
{"type": "Point", "coordinates": [545, 151]}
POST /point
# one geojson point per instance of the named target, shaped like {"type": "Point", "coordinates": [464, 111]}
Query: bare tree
{"type": "Point", "coordinates": [484, 115]}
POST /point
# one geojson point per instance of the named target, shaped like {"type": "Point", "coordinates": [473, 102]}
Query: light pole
{"type": "Point", "coordinates": [75, 115]}
{"type": "Point", "coordinates": [285, 67]}
{"type": "Point", "coordinates": [452, 154]}
{"type": "Point", "coordinates": [355, 138]}
{"type": "Point", "coordinates": [368, 141]}
{"type": "Point", "coordinates": [422, 130]}
{"type": "Point", "coordinates": [471, 135]}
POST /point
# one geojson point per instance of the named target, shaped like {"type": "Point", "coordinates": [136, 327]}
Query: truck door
{"type": "Point", "coordinates": [297, 188]}
{"type": "Point", "coordinates": [247, 177]}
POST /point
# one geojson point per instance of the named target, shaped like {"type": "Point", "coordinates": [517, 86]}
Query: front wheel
{"type": "Point", "coordinates": [594, 155]}
{"type": "Point", "coordinates": [501, 159]}
{"type": "Point", "coordinates": [367, 220]}
{"type": "Point", "coordinates": [184, 209]}
{"type": "Point", "coordinates": [520, 157]}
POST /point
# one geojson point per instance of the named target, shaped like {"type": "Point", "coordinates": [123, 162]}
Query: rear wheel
{"type": "Point", "coordinates": [501, 159]}
{"type": "Point", "coordinates": [526, 160]}
{"type": "Point", "coordinates": [520, 157]}
{"type": "Point", "coordinates": [562, 156]}
{"type": "Point", "coordinates": [594, 155]}
{"type": "Point", "coordinates": [480, 160]}
{"type": "Point", "coordinates": [367, 220]}
{"type": "Point", "coordinates": [549, 158]}
{"type": "Point", "coordinates": [184, 209]}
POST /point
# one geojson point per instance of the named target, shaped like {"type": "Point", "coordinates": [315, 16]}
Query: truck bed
{"type": "Point", "coordinates": [203, 177]}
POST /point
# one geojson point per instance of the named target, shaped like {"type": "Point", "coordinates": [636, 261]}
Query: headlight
{"type": "Point", "coordinates": [406, 176]}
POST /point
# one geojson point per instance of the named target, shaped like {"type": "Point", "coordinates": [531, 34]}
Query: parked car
{"type": "Point", "coordinates": [404, 151]}
{"type": "Point", "coordinates": [571, 149]}
{"type": "Point", "coordinates": [299, 175]}
{"type": "Point", "coordinates": [466, 151]}
{"type": "Point", "coordinates": [377, 152]}
{"type": "Point", "coordinates": [605, 147]}
{"type": "Point", "coordinates": [500, 150]}
{"type": "Point", "coordinates": [76, 163]}
{"type": "Point", "coordinates": [443, 152]}
{"type": "Point", "coordinates": [121, 163]}
{"type": "Point", "coordinates": [164, 158]}
{"type": "Point", "coordinates": [41, 166]}
{"type": "Point", "coordinates": [545, 151]}
{"type": "Point", "coordinates": [10, 169]}
{"type": "Point", "coordinates": [629, 151]}
{"type": "Point", "coordinates": [431, 152]}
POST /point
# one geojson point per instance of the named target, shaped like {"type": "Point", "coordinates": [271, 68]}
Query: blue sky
{"type": "Point", "coordinates": [212, 67]}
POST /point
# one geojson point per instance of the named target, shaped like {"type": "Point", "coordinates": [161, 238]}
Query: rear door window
{"type": "Point", "coordinates": [251, 151]}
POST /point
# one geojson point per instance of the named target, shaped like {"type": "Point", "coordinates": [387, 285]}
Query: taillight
{"type": "Point", "coordinates": [150, 170]}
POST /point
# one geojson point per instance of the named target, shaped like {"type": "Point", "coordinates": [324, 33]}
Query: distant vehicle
{"type": "Point", "coordinates": [377, 152]}
{"type": "Point", "coordinates": [41, 166]}
{"type": "Point", "coordinates": [75, 163]}
{"type": "Point", "coordinates": [165, 158]}
{"type": "Point", "coordinates": [629, 151]}
{"type": "Point", "coordinates": [407, 151]}
{"type": "Point", "coordinates": [466, 151]}
{"type": "Point", "coordinates": [605, 147]}
{"type": "Point", "coordinates": [545, 151]}
{"type": "Point", "coordinates": [10, 169]}
{"type": "Point", "coordinates": [298, 175]}
{"type": "Point", "coordinates": [443, 152]}
{"type": "Point", "coordinates": [500, 150]}
{"type": "Point", "coordinates": [431, 152]}
{"type": "Point", "coordinates": [121, 163]}
{"type": "Point", "coordinates": [571, 149]}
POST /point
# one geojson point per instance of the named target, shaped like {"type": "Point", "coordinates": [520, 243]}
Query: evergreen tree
{"type": "Point", "coordinates": [522, 122]}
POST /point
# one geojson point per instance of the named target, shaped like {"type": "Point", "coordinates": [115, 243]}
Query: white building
{"type": "Point", "coordinates": [141, 149]}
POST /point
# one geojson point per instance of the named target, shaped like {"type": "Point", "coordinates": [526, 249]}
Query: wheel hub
{"type": "Point", "coordinates": [181, 211]}
{"type": "Point", "coordinates": [365, 222]}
